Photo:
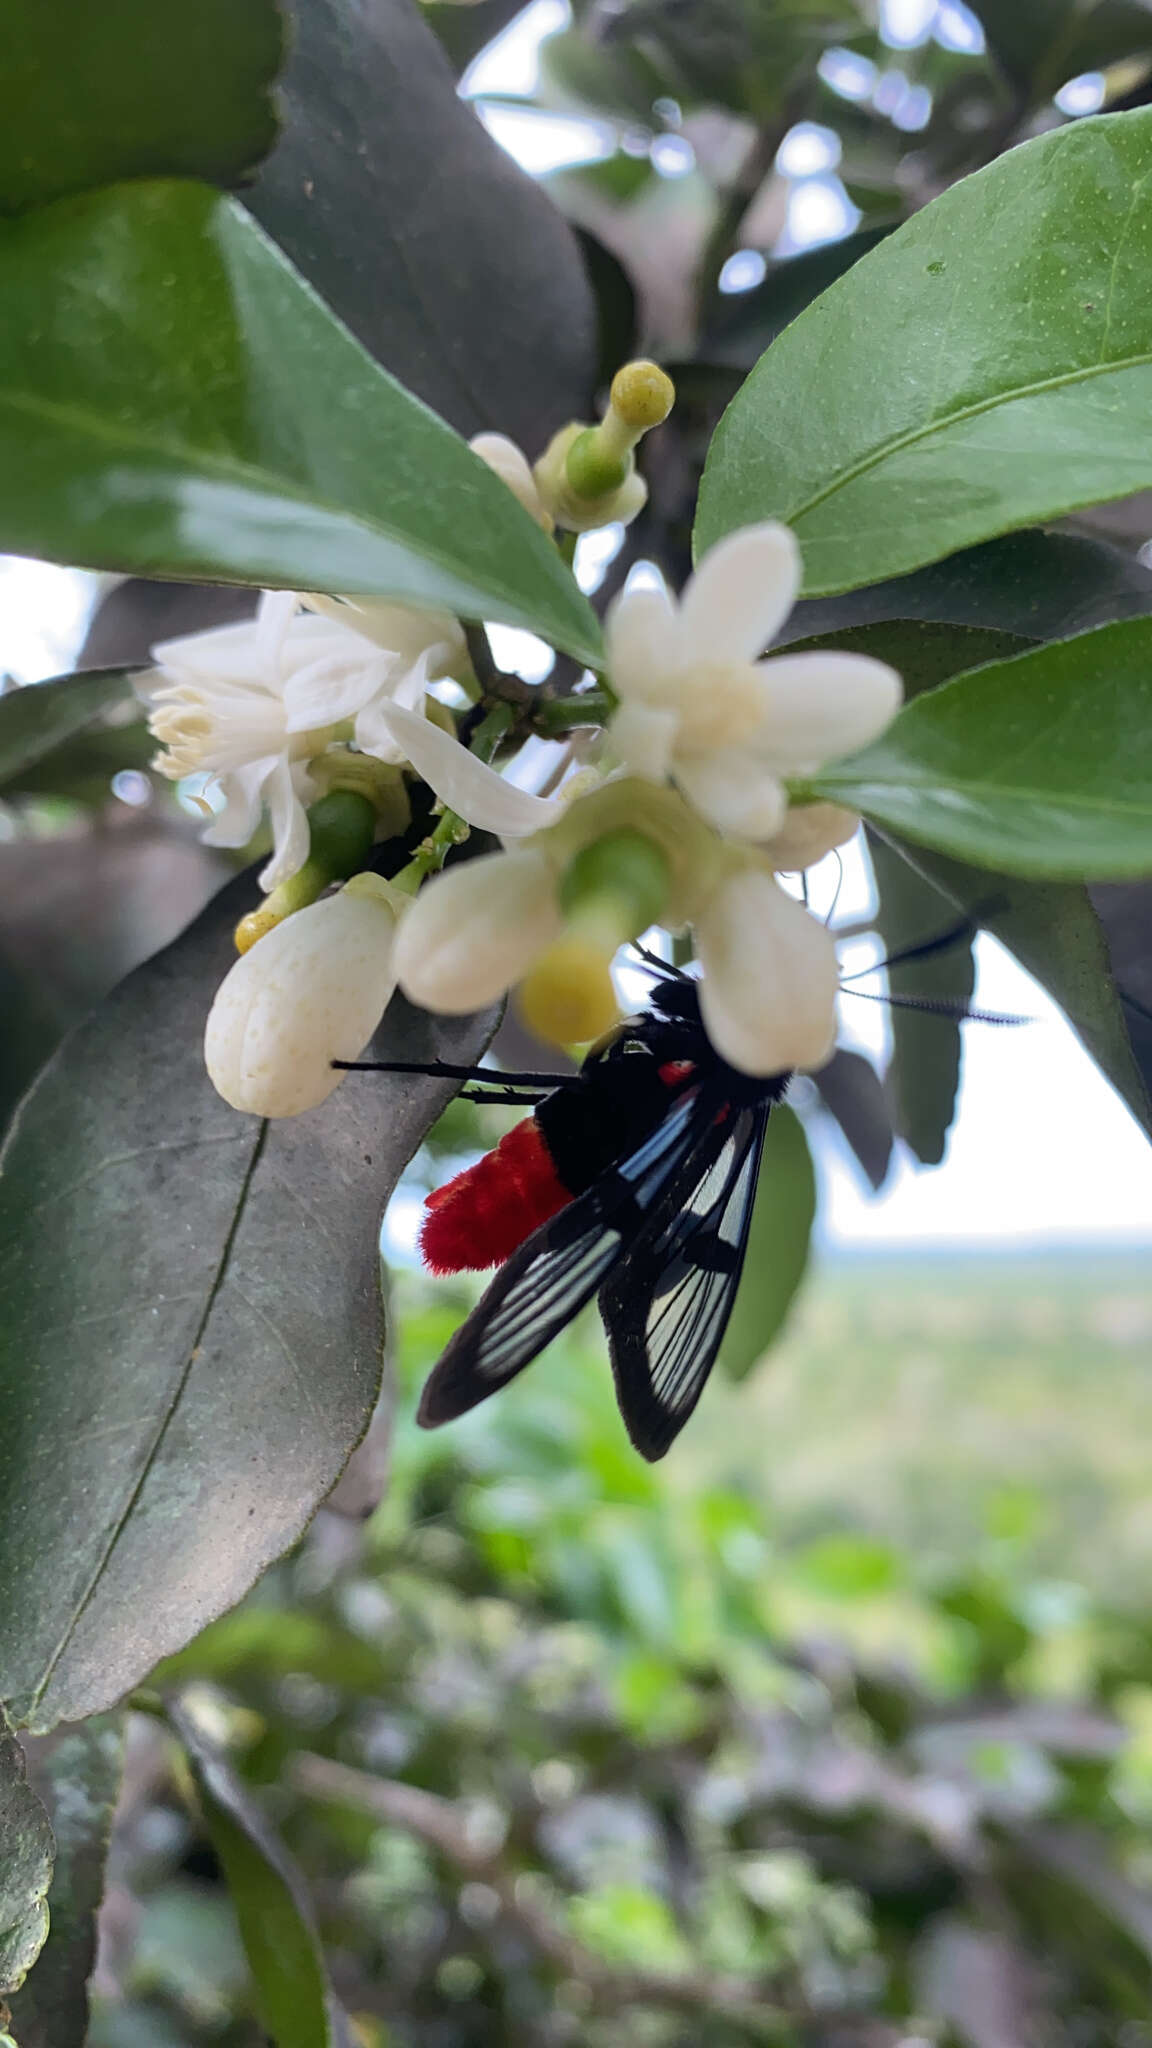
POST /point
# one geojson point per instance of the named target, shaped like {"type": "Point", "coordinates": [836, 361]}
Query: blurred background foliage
{"type": "Point", "coordinates": [836, 1731]}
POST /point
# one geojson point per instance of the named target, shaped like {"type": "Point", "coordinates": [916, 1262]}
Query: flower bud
{"type": "Point", "coordinates": [609, 486]}
{"type": "Point", "coordinates": [311, 991]}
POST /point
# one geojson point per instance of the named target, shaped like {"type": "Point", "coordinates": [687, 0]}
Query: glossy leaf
{"type": "Point", "coordinates": [443, 257]}
{"type": "Point", "coordinates": [989, 365]}
{"type": "Point", "coordinates": [1054, 932]}
{"type": "Point", "coordinates": [26, 1852]}
{"type": "Point", "coordinates": [1041, 765]}
{"type": "Point", "coordinates": [34, 721]}
{"type": "Point", "coordinates": [139, 323]}
{"type": "Point", "coordinates": [1042, 586]}
{"type": "Point", "coordinates": [189, 1324]}
{"type": "Point", "coordinates": [924, 1070]}
{"type": "Point", "coordinates": [296, 2000]}
{"type": "Point", "coordinates": [80, 1778]}
{"type": "Point", "coordinates": [778, 1246]}
{"type": "Point", "coordinates": [128, 89]}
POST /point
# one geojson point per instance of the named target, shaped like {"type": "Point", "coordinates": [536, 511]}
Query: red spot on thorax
{"type": "Point", "coordinates": [674, 1071]}
{"type": "Point", "coordinates": [478, 1218]}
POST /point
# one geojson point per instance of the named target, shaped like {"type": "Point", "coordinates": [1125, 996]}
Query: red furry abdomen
{"type": "Point", "coordinates": [478, 1218]}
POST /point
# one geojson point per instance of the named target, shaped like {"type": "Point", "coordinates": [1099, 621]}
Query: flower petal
{"type": "Point", "coordinates": [242, 791]}
{"type": "Point", "coordinates": [310, 991]}
{"type": "Point", "coordinates": [330, 690]}
{"type": "Point", "coordinates": [513, 468]}
{"type": "Point", "coordinates": [734, 791]}
{"type": "Point", "coordinates": [768, 994]}
{"type": "Point", "coordinates": [809, 832]}
{"type": "Point", "coordinates": [394, 627]}
{"type": "Point", "coordinates": [274, 616]}
{"type": "Point", "coordinates": [475, 930]}
{"type": "Point", "coordinates": [641, 737]}
{"type": "Point", "coordinates": [642, 636]}
{"type": "Point", "coordinates": [740, 596]}
{"type": "Point", "coordinates": [289, 820]}
{"type": "Point", "coordinates": [824, 705]}
{"type": "Point", "coordinates": [464, 783]}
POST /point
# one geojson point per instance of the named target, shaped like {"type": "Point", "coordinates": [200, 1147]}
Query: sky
{"type": "Point", "coordinates": [1043, 1151]}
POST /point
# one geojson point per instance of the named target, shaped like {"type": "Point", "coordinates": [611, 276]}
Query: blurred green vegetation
{"type": "Point", "coordinates": [836, 1728]}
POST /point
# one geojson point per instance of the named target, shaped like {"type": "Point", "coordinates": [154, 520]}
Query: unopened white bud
{"type": "Point", "coordinates": [310, 991]}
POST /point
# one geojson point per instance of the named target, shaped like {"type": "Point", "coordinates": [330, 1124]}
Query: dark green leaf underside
{"type": "Point", "coordinates": [26, 1853]}
{"type": "Point", "coordinates": [189, 1324]}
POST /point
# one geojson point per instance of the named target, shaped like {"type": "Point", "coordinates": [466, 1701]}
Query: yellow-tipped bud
{"type": "Point", "coordinates": [642, 395]}
{"type": "Point", "coordinates": [253, 927]}
{"type": "Point", "coordinates": [568, 996]}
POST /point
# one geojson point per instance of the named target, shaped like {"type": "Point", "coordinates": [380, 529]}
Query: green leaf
{"type": "Point", "coordinates": [924, 1070]}
{"type": "Point", "coordinates": [189, 1324]}
{"type": "Point", "coordinates": [1041, 765]}
{"type": "Point", "coordinates": [778, 1243]}
{"type": "Point", "coordinates": [129, 89]}
{"type": "Point", "coordinates": [26, 1852]}
{"type": "Point", "coordinates": [446, 261]}
{"type": "Point", "coordinates": [42, 716]}
{"type": "Point", "coordinates": [80, 1776]}
{"type": "Point", "coordinates": [297, 2003]}
{"type": "Point", "coordinates": [1043, 586]}
{"type": "Point", "coordinates": [176, 401]}
{"type": "Point", "coordinates": [1053, 930]}
{"type": "Point", "coordinates": [990, 364]}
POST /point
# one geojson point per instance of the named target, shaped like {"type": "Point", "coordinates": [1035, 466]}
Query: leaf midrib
{"type": "Point", "coordinates": [1015, 792]}
{"type": "Point", "coordinates": [232, 469]}
{"type": "Point", "coordinates": [171, 1408]}
{"type": "Point", "coordinates": [944, 424]}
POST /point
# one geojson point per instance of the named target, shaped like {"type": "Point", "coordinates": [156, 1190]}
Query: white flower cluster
{"type": "Point", "coordinates": [694, 760]}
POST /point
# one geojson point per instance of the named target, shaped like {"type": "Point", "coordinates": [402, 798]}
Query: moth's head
{"type": "Point", "coordinates": [676, 995]}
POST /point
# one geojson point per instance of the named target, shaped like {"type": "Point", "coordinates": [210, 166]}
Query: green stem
{"type": "Point", "coordinates": [566, 543]}
{"type": "Point", "coordinates": [563, 714]}
{"type": "Point", "coordinates": [450, 829]}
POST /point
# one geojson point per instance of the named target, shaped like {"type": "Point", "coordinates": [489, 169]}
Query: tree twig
{"type": "Point", "coordinates": [442, 1824]}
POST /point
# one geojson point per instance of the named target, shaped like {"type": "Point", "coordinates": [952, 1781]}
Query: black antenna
{"type": "Point", "coordinates": [938, 1006]}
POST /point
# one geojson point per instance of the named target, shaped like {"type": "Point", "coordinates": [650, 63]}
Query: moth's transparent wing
{"type": "Point", "coordinates": [551, 1276]}
{"type": "Point", "coordinates": [667, 1301]}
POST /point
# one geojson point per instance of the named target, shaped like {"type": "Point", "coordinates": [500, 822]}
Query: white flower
{"type": "Point", "coordinates": [696, 705]}
{"type": "Point", "coordinates": [310, 991]}
{"type": "Point", "coordinates": [475, 930]}
{"type": "Point", "coordinates": [769, 976]}
{"type": "Point", "coordinates": [513, 468]}
{"type": "Point", "coordinates": [251, 705]}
